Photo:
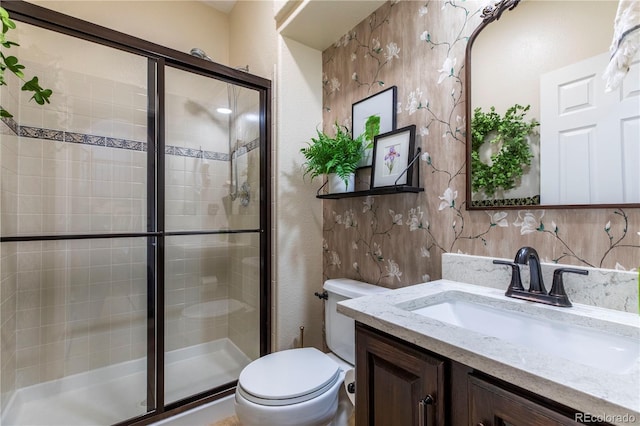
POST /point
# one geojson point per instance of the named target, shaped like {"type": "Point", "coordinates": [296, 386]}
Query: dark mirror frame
{"type": "Point", "coordinates": [489, 14]}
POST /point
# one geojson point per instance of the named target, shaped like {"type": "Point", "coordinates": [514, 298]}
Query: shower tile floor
{"type": "Point", "coordinates": [115, 393]}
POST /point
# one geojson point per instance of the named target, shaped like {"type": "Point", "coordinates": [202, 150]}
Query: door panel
{"type": "Point", "coordinates": [589, 139]}
{"type": "Point", "coordinates": [396, 384]}
{"type": "Point", "coordinates": [490, 405]}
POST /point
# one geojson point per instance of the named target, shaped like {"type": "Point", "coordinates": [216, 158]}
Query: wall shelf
{"type": "Point", "coordinates": [383, 190]}
{"type": "Point", "coordinates": [376, 191]}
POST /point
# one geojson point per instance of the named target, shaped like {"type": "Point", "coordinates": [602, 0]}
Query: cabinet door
{"type": "Point", "coordinates": [396, 383]}
{"type": "Point", "coordinates": [490, 405]}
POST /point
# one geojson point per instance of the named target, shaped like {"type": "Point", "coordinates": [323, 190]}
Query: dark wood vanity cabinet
{"type": "Point", "coordinates": [490, 405]}
{"type": "Point", "coordinates": [400, 384]}
{"type": "Point", "coordinates": [396, 383]}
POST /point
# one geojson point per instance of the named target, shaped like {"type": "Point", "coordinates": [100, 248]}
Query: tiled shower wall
{"type": "Point", "coordinates": [244, 326]}
{"type": "Point", "coordinates": [8, 259]}
{"type": "Point", "coordinates": [78, 165]}
{"type": "Point", "coordinates": [8, 265]}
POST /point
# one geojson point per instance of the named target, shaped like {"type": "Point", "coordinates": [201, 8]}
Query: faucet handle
{"type": "Point", "coordinates": [557, 289]}
{"type": "Point", "coordinates": [516, 282]}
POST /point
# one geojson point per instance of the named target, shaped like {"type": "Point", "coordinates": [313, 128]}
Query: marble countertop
{"type": "Point", "coordinates": [587, 389]}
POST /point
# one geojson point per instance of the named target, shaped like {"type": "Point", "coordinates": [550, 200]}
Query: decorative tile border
{"type": "Point", "coordinates": [195, 153]}
{"type": "Point", "coordinates": [221, 156]}
{"type": "Point", "coordinates": [87, 139]}
{"type": "Point", "coordinates": [11, 124]}
{"type": "Point", "coordinates": [38, 133]}
{"type": "Point", "coordinates": [254, 144]}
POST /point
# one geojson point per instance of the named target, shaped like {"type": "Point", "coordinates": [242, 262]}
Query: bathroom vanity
{"type": "Point", "coordinates": [448, 353]}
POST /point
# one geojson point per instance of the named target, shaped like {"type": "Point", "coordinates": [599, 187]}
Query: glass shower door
{"type": "Point", "coordinates": [73, 277]}
{"type": "Point", "coordinates": [212, 228]}
{"type": "Point", "coordinates": [131, 235]}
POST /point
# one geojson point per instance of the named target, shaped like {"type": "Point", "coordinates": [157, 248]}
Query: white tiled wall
{"type": "Point", "coordinates": [196, 193]}
{"type": "Point", "coordinates": [80, 305]}
{"type": "Point", "coordinates": [8, 285]}
{"type": "Point", "coordinates": [78, 188]}
{"type": "Point", "coordinates": [8, 251]}
{"type": "Point", "coordinates": [196, 272]}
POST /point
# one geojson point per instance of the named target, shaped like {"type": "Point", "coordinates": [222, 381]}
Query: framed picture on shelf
{"type": "Point", "coordinates": [392, 154]}
{"type": "Point", "coordinates": [372, 116]}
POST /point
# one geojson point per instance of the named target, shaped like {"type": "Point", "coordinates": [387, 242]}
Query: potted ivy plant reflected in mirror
{"type": "Point", "coordinates": [337, 157]}
{"type": "Point", "coordinates": [501, 152]}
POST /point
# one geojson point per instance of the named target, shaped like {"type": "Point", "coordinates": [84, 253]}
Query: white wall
{"type": "Point", "coordinates": [296, 72]}
{"type": "Point", "coordinates": [178, 24]}
{"type": "Point", "coordinates": [252, 37]}
{"type": "Point", "coordinates": [298, 227]}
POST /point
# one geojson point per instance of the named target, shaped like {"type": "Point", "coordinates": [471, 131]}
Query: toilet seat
{"type": "Point", "coordinates": [288, 377]}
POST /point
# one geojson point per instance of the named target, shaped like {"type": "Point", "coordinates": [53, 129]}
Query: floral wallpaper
{"type": "Point", "coordinates": [397, 240]}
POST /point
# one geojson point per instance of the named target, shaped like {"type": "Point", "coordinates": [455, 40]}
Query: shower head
{"type": "Point", "coordinates": [199, 53]}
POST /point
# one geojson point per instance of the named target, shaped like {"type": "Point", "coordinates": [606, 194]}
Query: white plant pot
{"type": "Point", "coordinates": [337, 185]}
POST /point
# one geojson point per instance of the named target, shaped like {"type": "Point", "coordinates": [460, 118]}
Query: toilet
{"type": "Point", "coordinates": [300, 386]}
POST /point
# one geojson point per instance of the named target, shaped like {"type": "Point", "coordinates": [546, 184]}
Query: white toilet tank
{"type": "Point", "coordinates": [340, 329]}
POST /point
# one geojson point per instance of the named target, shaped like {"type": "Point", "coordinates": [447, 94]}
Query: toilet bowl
{"type": "Point", "coordinates": [292, 387]}
{"type": "Point", "coordinates": [300, 387]}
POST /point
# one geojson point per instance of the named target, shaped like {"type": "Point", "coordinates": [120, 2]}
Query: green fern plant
{"type": "Point", "coordinates": [11, 63]}
{"type": "Point", "coordinates": [339, 154]}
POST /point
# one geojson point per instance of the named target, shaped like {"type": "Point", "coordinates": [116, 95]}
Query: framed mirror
{"type": "Point", "coordinates": [542, 131]}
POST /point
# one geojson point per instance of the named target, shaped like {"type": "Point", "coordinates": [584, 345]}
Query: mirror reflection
{"type": "Point", "coordinates": [543, 130]}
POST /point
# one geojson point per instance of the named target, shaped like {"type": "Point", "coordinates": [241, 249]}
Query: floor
{"type": "Point", "coordinates": [111, 394]}
{"type": "Point", "coordinates": [221, 413]}
{"type": "Point", "coordinates": [207, 414]}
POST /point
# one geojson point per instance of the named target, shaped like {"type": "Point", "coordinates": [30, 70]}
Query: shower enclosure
{"type": "Point", "coordinates": [134, 219]}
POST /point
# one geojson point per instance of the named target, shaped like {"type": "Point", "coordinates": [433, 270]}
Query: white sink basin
{"type": "Point", "coordinates": [554, 332]}
{"type": "Point", "coordinates": [585, 357]}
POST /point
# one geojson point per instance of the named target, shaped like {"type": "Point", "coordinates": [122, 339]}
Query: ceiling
{"type": "Point", "coordinates": [223, 6]}
{"type": "Point", "coordinates": [320, 23]}
{"type": "Point", "coordinates": [315, 23]}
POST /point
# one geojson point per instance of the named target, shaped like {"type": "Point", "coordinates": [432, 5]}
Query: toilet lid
{"type": "Point", "coordinates": [288, 377]}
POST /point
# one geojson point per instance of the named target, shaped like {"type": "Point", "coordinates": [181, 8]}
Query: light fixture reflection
{"type": "Point", "coordinates": [224, 110]}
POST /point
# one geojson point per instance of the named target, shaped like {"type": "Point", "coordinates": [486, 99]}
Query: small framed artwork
{"type": "Point", "coordinates": [374, 115]}
{"type": "Point", "coordinates": [392, 154]}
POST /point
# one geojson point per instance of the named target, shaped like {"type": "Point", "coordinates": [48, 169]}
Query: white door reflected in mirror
{"type": "Point", "coordinates": [593, 155]}
{"type": "Point", "coordinates": [589, 139]}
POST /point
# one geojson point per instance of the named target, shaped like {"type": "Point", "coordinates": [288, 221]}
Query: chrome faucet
{"type": "Point", "coordinates": [537, 291]}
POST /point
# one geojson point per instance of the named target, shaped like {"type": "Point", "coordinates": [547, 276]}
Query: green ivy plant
{"type": "Point", "coordinates": [511, 131]}
{"type": "Point", "coordinates": [12, 64]}
{"type": "Point", "coordinates": [339, 154]}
